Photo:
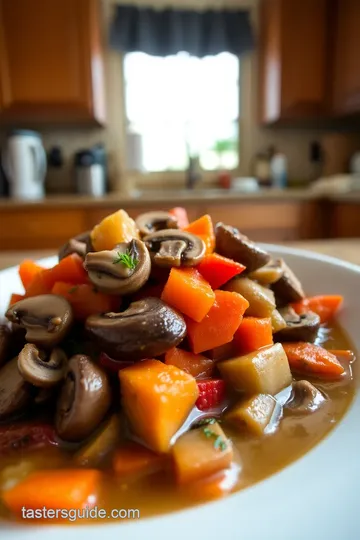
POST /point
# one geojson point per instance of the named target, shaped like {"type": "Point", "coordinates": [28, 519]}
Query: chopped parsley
{"type": "Point", "coordinates": [219, 443]}
{"type": "Point", "coordinates": [128, 259]}
{"type": "Point", "coordinates": [205, 422]}
{"type": "Point", "coordinates": [73, 289]}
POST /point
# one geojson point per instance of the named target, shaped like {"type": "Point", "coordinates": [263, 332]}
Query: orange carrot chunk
{"type": "Point", "coordinates": [187, 291]}
{"type": "Point", "coordinates": [136, 460]}
{"type": "Point", "coordinates": [306, 358]}
{"type": "Point", "coordinates": [344, 355]}
{"type": "Point", "coordinates": [156, 399]}
{"type": "Point", "coordinates": [203, 227]}
{"type": "Point", "coordinates": [62, 488]}
{"type": "Point", "coordinates": [85, 300]}
{"type": "Point", "coordinates": [195, 364]}
{"type": "Point", "coordinates": [325, 306]}
{"type": "Point", "coordinates": [15, 298]}
{"type": "Point", "coordinates": [113, 229]}
{"type": "Point", "coordinates": [181, 215]}
{"type": "Point", "coordinates": [27, 271]}
{"type": "Point", "coordinates": [219, 325]}
{"type": "Point", "coordinates": [253, 333]}
{"type": "Point", "coordinates": [218, 270]}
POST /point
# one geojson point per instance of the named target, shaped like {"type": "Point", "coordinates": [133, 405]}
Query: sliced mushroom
{"type": "Point", "coordinates": [84, 399]}
{"type": "Point", "coordinates": [171, 247]}
{"type": "Point", "coordinates": [5, 343]}
{"type": "Point", "coordinates": [305, 398]}
{"type": "Point", "coordinates": [39, 369]}
{"type": "Point", "coordinates": [15, 393]}
{"type": "Point", "coordinates": [234, 245]}
{"type": "Point", "coordinates": [151, 222]}
{"type": "Point", "coordinates": [123, 270]}
{"type": "Point", "coordinates": [47, 318]}
{"type": "Point", "coordinates": [298, 327]}
{"type": "Point", "coordinates": [146, 329]}
{"type": "Point", "coordinates": [288, 288]}
{"type": "Point", "coordinates": [80, 245]}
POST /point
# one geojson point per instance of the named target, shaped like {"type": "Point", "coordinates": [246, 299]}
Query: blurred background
{"type": "Point", "coordinates": [245, 109]}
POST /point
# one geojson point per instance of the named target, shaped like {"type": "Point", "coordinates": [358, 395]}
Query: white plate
{"type": "Point", "coordinates": [315, 498]}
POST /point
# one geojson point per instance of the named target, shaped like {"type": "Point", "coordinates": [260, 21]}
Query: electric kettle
{"type": "Point", "coordinates": [24, 164]}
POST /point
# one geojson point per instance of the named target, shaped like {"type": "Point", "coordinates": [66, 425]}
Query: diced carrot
{"type": "Point", "coordinates": [15, 298]}
{"type": "Point", "coordinates": [219, 325]}
{"type": "Point", "coordinates": [325, 306]}
{"type": "Point", "coordinates": [343, 354]}
{"type": "Point", "coordinates": [253, 333]}
{"type": "Point", "coordinates": [84, 299]}
{"type": "Point", "coordinates": [217, 269]}
{"type": "Point", "coordinates": [203, 227]}
{"type": "Point", "coordinates": [181, 216]}
{"type": "Point", "coordinates": [62, 488]}
{"type": "Point", "coordinates": [156, 399]}
{"type": "Point", "coordinates": [312, 359]}
{"type": "Point", "coordinates": [136, 460]}
{"type": "Point", "coordinates": [39, 285]}
{"type": "Point", "coordinates": [187, 291]}
{"type": "Point", "coordinates": [113, 229]}
{"type": "Point", "coordinates": [215, 486]}
{"type": "Point", "coordinates": [28, 269]}
{"type": "Point", "coordinates": [195, 364]}
{"type": "Point", "coordinates": [70, 270]}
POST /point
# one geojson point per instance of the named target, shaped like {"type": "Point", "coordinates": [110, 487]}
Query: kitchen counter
{"type": "Point", "coordinates": [345, 249]}
{"type": "Point", "coordinates": [170, 197]}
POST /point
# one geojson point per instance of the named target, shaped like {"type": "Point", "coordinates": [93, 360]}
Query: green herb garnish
{"type": "Point", "coordinates": [73, 289]}
{"type": "Point", "coordinates": [219, 443]}
{"type": "Point", "coordinates": [128, 259]}
{"type": "Point", "coordinates": [205, 422]}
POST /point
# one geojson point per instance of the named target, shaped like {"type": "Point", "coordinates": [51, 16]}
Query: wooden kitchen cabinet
{"type": "Point", "coordinates": [51, 66]}
{"type": "Point", "coordinates": [346, 70]}
{"type": "Point", "coordinates": [293, 59]}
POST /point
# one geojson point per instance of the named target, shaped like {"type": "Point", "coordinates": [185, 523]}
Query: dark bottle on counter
{"type": "Point", "coordinates": [262, 166]}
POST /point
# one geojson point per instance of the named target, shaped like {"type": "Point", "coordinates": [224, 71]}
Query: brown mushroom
{"type": "Point", "coordinates": [123, 270]}
{"type": "Point", "coordinates": [146, 329]}
{"type": "Point", "coordinates": [40, 369]}
{"type": "Point", "coordinates": [303, 327]}
{"type": "Point", "coordinates": [84, 399]}
{"type": "Point", "coordinates": [80, 245]}
{"type": "Point", "coordinates": [47, 318]}
{"type": "Point", "coordinates": [15, 393]}
{"type": "Point", "coordinates": [288, 288]}
{"type": "Point", "coordinates": [234, 245]}
{"type": "Point", "coordinates": [151, 222]}
{"type": "Point", "coordinates": [305, 398]}
{"type": "Point", "coordinates": [171, 247]}
{"type": "Point", "coordinates": [5, 343]}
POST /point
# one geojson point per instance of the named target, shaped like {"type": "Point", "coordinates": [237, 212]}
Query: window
{"type": "Point", "coordinates": [180, 106]}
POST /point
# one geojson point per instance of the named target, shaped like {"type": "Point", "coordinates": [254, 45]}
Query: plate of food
{"type": "Point", "coordinates": [165, 378]}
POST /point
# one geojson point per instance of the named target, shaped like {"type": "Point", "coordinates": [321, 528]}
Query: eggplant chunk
{"type": "Point", "coordinates": [303, 327]}
{"type": "Point", "coordinates": [261, 300]}
{"type": "Point", "coordinates": [201, 452]}
{"type": "Point", "coordinates": [265, 371]}
{"type": "Point", "coordinates": [288, 288]}
{"type": "Point", "coordinates": [253, 414]}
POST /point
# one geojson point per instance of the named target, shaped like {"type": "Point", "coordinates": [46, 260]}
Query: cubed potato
{"type": "Point", "coordinates": [261, 300]}
{"type": "Point", "coordinates": [199, 453]}
{"type": "Point", "coordinates": [277, 321]}
{"type": "Point", "coordinates": [268, 274]}
{"type": "Point", "coordinates": [253, 414]}
{"type": "Point", "coordinates": [265, 371]}
{"type": "Point", "coordinates": [157, 399]}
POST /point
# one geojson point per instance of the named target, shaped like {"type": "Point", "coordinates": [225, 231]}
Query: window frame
{"type": "Point", "coordinates": [177, 179]}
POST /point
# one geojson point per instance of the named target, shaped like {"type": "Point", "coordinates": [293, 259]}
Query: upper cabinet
{"type": "Point", "coordinates": [51, 65]}
{"type": "Point", "coordinates": [293, 59]}
{"type": "Point", "coordinates": [346, 70]}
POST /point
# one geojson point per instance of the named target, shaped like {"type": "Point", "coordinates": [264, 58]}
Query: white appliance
{"type": "Point", "coordinates": [24, 163]}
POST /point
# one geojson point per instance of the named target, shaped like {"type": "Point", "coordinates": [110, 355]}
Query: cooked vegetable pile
{"type": "Point", "coordinates": [144, 345]}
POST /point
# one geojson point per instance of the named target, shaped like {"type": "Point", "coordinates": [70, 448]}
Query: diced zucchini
{"type": "Point", "coordinates": [201, 452]}
{"type": "Point", "coordinates": [277, 321]}
{"type": "Point", "coordinates": [253, 414]}
{"type": "Point", "coordinates": [261, 300]}
{"type": "Point", "coordinates": [265, 371]}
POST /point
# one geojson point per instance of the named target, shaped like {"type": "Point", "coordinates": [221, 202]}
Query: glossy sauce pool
{"type": "Point", "coordinates": [255, 458]}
